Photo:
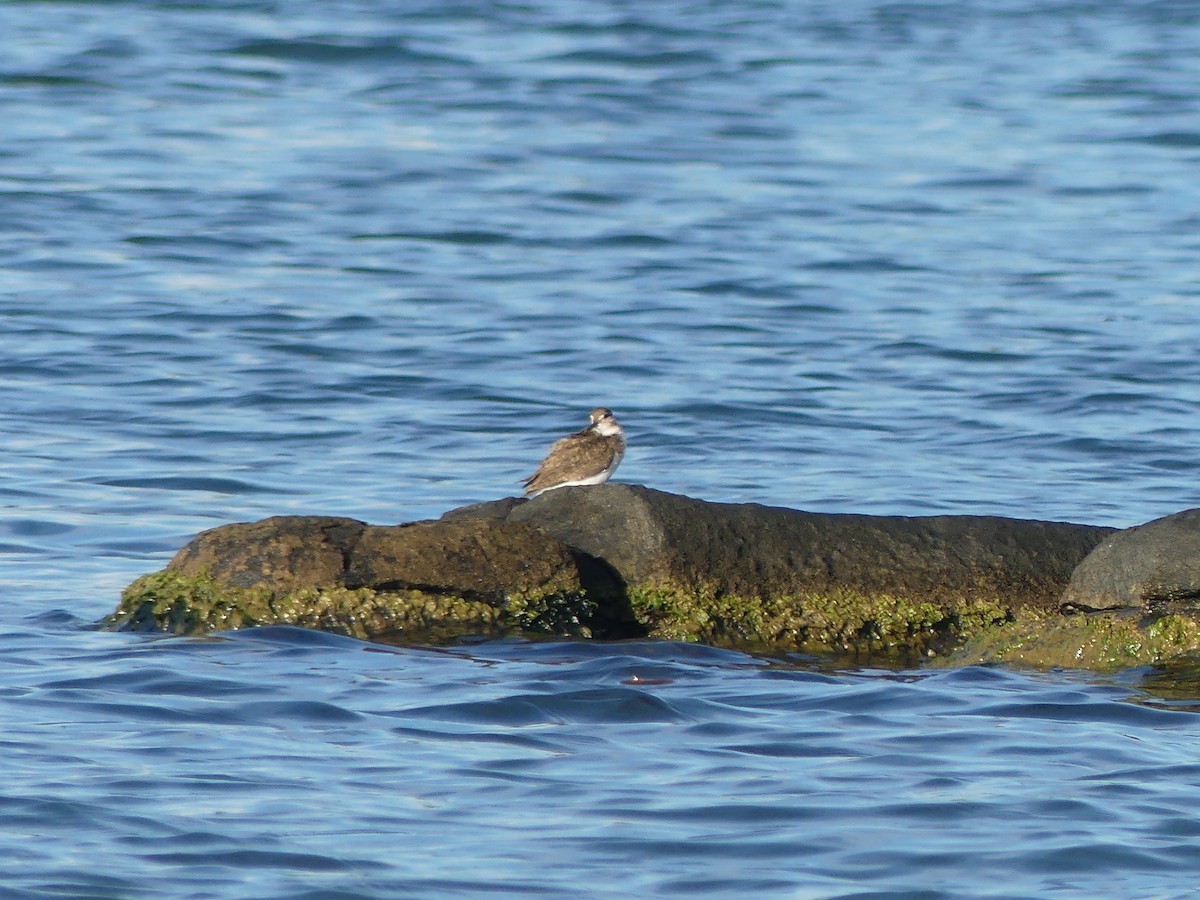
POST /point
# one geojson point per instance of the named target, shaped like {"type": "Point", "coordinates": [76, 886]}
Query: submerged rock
{"type": "Point", "coordinates": [1102, 642]}
{"type": "Point", "coordinates": [620, 560]}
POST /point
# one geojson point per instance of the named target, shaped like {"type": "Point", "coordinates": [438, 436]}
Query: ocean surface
{"type": "Point", "coordinates": [369, 259]}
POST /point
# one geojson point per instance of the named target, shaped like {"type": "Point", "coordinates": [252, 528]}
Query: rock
{"type": "Point", "coordinates": [654, 538]}
{"type": "Point", "coordinates": [1149, 567]}
{"type": "Point", "coordinates": [283, 553]}
{"type": "Point", "coordinates": [423, 580]}
{"type": "Point", "coordinates": [475, 558]}
{"type": "Point", "coordinates": [619, 560]}
{"type": "Point", "coordinates": [1100, 641]}
{"type": "Point", "coordinates": [489, 509]}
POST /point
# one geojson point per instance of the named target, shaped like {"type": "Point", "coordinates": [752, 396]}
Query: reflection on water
{"type": "Point", "coordinates": [1174, 685]}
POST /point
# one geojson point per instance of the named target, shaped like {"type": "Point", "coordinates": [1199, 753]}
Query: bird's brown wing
{"type": "Point", "coordinates": [575, 456]}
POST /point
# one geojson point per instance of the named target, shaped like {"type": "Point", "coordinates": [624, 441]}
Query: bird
{"type": "Point", "coordinates": [586, 457]}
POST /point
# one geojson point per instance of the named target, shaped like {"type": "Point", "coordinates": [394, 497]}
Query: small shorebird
{"type": "Point", "coordinates": [587, 457]}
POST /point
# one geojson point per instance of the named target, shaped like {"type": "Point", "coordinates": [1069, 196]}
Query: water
{"type": "Point", "coordinates": [369, 259]}
{"type": "Point", "coordinates": [285, 763]}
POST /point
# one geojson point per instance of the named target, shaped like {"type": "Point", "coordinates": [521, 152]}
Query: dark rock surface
{"type": "Point", "coordinates": [462, 558]}
{"type": "Point", "coordinates": [475, 558]}
{"type": "Point", "coordinates": [652, 537]}
{"type": "Point", "coordinates": [283, 553]}
{"type": "Point", "coordinates": [1149, 567]}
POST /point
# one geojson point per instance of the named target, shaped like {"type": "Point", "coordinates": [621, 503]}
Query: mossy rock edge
{"type": "Point", "coordinates": [841, 626]}
{"type": "Point", "coordinates": [1100, 642]}
{"type": "Point", "coordinates": [168, 601]}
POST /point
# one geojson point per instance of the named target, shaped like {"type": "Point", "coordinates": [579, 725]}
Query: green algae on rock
{"type": "Point", "coordinates": [623, 561]}
{"type": "Point", "coordinates": [885, 630]}
{"type": "Point", "coordinates": [199, 604]}
{"type": "Point", "coordinates": [423, 581]}
{"type": "Point", "coordinates": [839, 623]}
{"type": "Point", "coordinates": [1102, 642]}
{"type": "Point", "coordinates": [187, 604]}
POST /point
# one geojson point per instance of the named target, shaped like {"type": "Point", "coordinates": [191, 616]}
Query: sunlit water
{"type": "Point", "coordinates": [369, 259]}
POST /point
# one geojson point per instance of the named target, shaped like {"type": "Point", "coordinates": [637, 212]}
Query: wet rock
{"type": "Point", "coordinates": [619, 560]}
{"type": "Point", "coordinates": [1100, 642]}
{"type": "Point", "coordinates": [1150, 567]}
{"type": "Point", "coordinates": [654, 538]}
{"type": "Point", "coordinates": [489, 509]}
{"type": "Point", "coordinates": [472, 557]}
{"type": "Point", "coordinates": [282, 554]}
{"type": "Point", "coordinates": [423, 580]}
{"type": "Point", "coordinates": [479, 559]}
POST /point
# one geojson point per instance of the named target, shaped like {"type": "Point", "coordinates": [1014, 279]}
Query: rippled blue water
{"type": "Point", "coordinates": [369, 259]}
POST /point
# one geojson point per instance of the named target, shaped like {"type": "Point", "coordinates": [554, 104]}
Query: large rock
{"type": "Point", "coordinates": [654, 538]}
{"type": "Point", "coordinates": [619, 560]}
{"type": "Point", "coordinates": [1151, 567]}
